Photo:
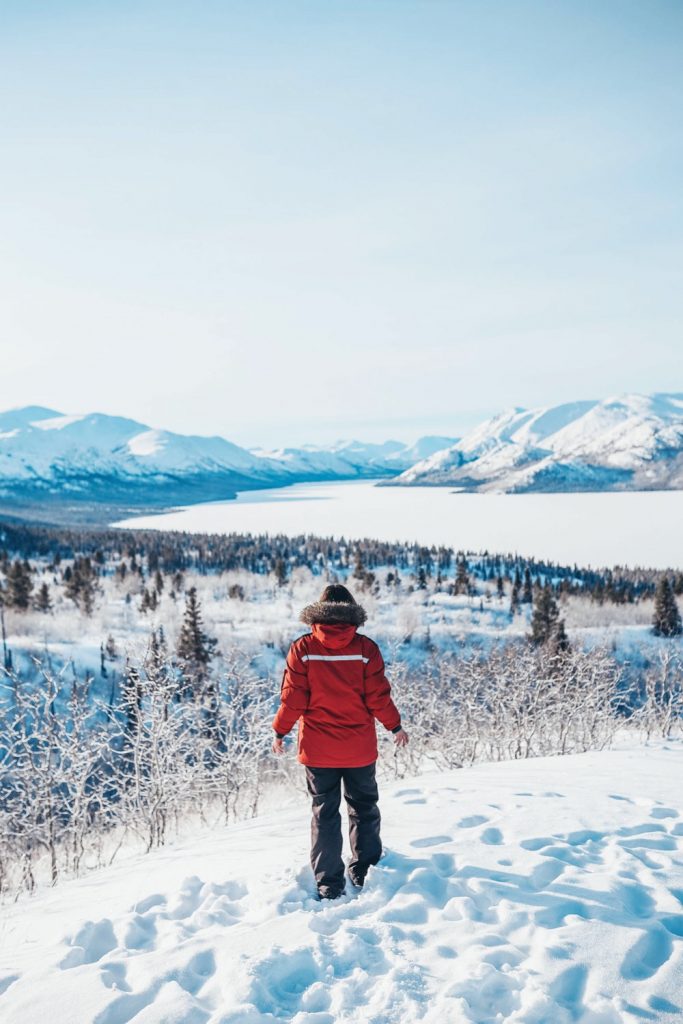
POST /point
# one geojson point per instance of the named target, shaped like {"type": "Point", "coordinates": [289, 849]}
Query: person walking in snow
{"type": "Point", "coordinates": [334, 682]}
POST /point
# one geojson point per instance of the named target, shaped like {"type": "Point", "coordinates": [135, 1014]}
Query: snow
{"type": "Point", "coordinates": [57, 422]}
{"type": "Point", "coordinates": [543, 892]}
{"type": "Point", "coordinates": [45, 446]}
{"type": "Point", "coordinates": [147, 443]}
{"type": "Point", "coordinates": [593, 529]}
{"type": "Point", "coordinates": [517, 449]}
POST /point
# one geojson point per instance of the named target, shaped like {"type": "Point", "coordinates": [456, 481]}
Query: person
{"type": "Point", "coordinates": [334, 682]}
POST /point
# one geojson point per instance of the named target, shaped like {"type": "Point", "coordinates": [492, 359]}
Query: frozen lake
{"type": "Point", "coordinates": [628, 528]}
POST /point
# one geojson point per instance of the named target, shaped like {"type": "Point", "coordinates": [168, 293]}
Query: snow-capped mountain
{"type": "Point", "coordinates": [108, 458]}
{"type": "Point", "coordinates": [354, 458]}
{"type": "Point", "coordinates": [628, 442]}
{"type": "Point", "coordinates": [112, 460]}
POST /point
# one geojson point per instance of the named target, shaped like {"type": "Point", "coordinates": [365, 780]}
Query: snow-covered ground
{"type": "Point", "coordinates": [617, 528]}
{"type": "Point", "coordinates": [544, 892]}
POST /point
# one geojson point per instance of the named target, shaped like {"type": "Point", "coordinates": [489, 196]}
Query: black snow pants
{"type": "Point", "coordinates": [361, 795]}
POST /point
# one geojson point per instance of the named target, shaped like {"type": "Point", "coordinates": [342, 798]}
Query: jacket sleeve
{"type": "Point", "coordinates": [378, 691]}
{"type": "Point", "coordinates": [294, 692]}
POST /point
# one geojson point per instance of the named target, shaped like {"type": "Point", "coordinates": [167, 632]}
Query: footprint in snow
{"type": "Point", "coordinates": [431, 841]}
{"type": "Point", "coordinates": [568, 989]}
{"type": "Point", "coordinates": [472, 821]}
{"type": "Point", "coordinates": [8, 980]}
{"type": "Point", "coordinates": [651, 951]}
{"type": "Point", "coordinates": [155, 899]}
{"type": "Point", "coordinates": [90, 943]}
{"type": "Point", "coordinates": [664, 812]}
{"type": "Point", "coordinates": [492, 837]}
{"type": "Point", "coordinates": [639, 830]}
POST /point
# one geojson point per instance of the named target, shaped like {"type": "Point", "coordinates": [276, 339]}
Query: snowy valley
{"type": "Point", "coordinates": [93, 467]}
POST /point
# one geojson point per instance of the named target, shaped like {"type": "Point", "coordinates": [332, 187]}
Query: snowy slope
{"type": "Point", "coordinates": [44, 449]}
{"type": "Point", "coordinates": [631, 441]}
{"type": "Point", "coordinates": [543, 892]}
{"type": "Point", "coordinates": [98, 457]}
{"type": "Point", "coordinates": [354, 458]}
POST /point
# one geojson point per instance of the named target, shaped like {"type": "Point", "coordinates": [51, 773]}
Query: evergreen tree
{"type": "Point", "coordinates": [19, 585]}
{"type": "Point", "coordinates": [196, 650]}
{"type": "Point", "coordinates": [546, 625]}
{"type": "Point", "coordinates": [80, 584]}
{"type": "Point", "coordinates": [514, 599]}
{"type": "Point", "coordinates": [280, 570]}
{"type": "Point", "coordinates": [462, 579]}
{"type": "Point", "coordinates": [500, 588]}
{"type": "Point", "coordinates": [527, 595]}
{"type": "Point", "coordinates": [560, 641]}
{"type": "Point", "coordinates": [666, 620]}
{"type": "Point", "coordinates": [43, 601]}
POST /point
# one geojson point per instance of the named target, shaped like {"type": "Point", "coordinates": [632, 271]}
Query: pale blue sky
{"type": "Point", "coordinates": [291, 221]}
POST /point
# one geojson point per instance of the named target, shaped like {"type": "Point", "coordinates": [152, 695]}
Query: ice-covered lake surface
{"type": "Point", "coordinates": [598, 529]}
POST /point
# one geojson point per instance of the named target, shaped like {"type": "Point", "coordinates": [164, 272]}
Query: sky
{"type": "Point", "coordinates": [289, 222]}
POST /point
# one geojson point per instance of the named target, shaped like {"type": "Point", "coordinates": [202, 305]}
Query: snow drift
{"type": "Point", "coordinates": [535, 891]}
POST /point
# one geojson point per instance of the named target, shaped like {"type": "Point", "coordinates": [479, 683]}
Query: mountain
{"type": "Point", "coordinates": [116, 462]}
{"type": "Point", "coordinates": [353, 458]}
{"type": "Point", "coordinates": [545, 890]}
{"type": "Point", "coordinates": [629, 442]}
{"type": "Point", "coordinates": [109, 459]}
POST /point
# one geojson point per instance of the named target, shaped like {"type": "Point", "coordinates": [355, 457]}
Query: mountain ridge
{"type": "Point", "coordinates": [624, 442]}
{"type": "Point", "coordinates": [95, 458]}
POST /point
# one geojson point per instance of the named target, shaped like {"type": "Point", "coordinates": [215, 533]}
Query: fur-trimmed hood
{"type": "Point", "coordinates": [329, 612]}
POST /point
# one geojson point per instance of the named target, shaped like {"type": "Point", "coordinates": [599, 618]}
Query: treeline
{"type": "Point", "coordinates": [105, 551]}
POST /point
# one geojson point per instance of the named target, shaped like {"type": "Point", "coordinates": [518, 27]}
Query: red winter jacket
{"type": "Point", "coordinates": [334, 681]}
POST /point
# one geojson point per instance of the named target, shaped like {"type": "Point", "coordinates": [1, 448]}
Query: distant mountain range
{"type": "Point", "coordinates": [47, 457]}
{"type": "Point", "coordinates": [629, 442]}
{"type": "Point", "coordinates": [49, 461]}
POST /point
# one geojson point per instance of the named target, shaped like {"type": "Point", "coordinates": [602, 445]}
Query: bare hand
{"type": "Point", "coordinates": [401, 738]}
{"type": "Point", "coordinates": [278, 746]}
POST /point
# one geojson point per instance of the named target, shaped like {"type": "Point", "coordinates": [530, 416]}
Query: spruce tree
{"type": "Point", "coordinates": [80, 584]}
{"type": "Point", "coordinates": [666, 620]}
{"type": "Point", "coordinates": [43, 601]}
{"type": "Point", "coordinates": [527, 595]}
{"type": "Point", "coordinates": [19, 585]}
{"type": "Point", "coordinates": [196, 650]}
{"type": "Point", "coordinates": [462, 579]}
{"type": "Point", "coordinates": [546, 625]}
{"type": "Point", "coordinates": [560, 641]}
